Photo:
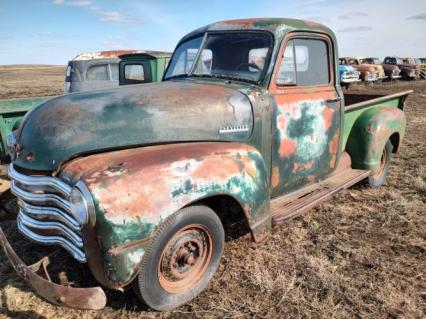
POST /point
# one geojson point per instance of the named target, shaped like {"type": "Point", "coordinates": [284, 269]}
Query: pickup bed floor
{"type": "Point", "coordinates": [291, 205]}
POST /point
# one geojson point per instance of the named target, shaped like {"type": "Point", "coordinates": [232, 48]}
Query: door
{"type": "Point", "coordinates": [307, 115]}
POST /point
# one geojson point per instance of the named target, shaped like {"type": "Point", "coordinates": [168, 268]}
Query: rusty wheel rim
{"type": "Point", "coordinates": [382, 165]}
{"type": "Point", "coordinates": [185, 259]}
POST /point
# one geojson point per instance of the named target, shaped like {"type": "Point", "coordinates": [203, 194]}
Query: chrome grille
{"type": "Point", "coordinates": [45, 214]}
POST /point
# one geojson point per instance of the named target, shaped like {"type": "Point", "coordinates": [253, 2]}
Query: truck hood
{"type": "Point", "coordinates": [166, 112]}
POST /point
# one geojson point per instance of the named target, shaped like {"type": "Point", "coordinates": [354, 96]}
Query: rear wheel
{"type": "Point", "coordinates": [379, 177]}
{"type": "Point", "coordinates": [182, 258]}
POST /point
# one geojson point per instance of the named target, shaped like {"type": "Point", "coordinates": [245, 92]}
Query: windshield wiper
{"type": "Point", "coordinates": [226, 77]}
{"type": "Point", "coordinates": [178, 76]}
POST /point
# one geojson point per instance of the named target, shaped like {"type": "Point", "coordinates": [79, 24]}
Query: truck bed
{"type": "Point", "coordinates": [357, 100]}
{"type": "Point", "coordinates": [356, 104]}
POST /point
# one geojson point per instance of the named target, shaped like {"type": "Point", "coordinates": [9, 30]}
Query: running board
{"type": "Point", "coordinates": [291, 205]}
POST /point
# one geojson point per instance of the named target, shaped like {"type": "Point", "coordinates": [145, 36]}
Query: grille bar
{"type": "Point", "coordinates": [52, 240]}
{"type": "Point", "coordinates": [45, 214]}
{"type": "Point", "coordinates": [43, 181]}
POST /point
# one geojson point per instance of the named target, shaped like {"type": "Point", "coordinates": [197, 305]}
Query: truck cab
{"type": "Point", "coordinates": [143, 67]}
{"type": "Point", "coordinates": [248, 127]}
{"type": "Point", "coordinates": [91, 71]}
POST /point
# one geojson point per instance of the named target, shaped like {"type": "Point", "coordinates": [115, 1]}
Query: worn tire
{"type": "Point", "coordinates": [193, 232]}
{"type": "Point", "coordinates": [377, 179]}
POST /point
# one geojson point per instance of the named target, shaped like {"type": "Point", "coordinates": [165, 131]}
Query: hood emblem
{"type": "Point", "coordinates": [234, 129]}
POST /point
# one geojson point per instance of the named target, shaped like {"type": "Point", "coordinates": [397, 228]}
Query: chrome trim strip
{"type": "Point", "coordinates": [52, 240]}
{"type": "Point", "coordinates": [44, 213]}
{"type": "Point", "coordinates": [45, 225]}
{"type": "Point", "coordinates": [40, 198]}
{"type": "Point", "coordinates": [43, 181]}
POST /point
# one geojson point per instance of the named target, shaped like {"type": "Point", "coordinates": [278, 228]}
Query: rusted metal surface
{"type": "Point", "coordinates": [136, 115]}
{"type": "Point", "coordinates": [185, 259]}
{"type": "Point", "coordinates": [306, 132]}
{"type": "Point", "coordinates": [287, 207]}
{"type": "Point", "coordinates": [83, 298]}
{"type": "Point", "coordinates": [134, 190]}
{"type": "Point", "coordinates": [370, 133]}
{"type": "Point", "coordinates": [102, 54]}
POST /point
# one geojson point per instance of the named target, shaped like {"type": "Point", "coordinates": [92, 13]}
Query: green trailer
{"type": "Point", "coordinates": [11, 113]}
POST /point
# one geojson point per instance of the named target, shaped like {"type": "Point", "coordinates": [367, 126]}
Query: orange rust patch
{"type": "Point", "coordinates": [328, 117]}
{"type": "Point", "coordinates": [332, 148]}
{"type": "Point", "coordinates": [275, 177]}
{"type": "Point", "coordinates": [287, 147]}
{"type": "Point", "coordinates": [221, 168]}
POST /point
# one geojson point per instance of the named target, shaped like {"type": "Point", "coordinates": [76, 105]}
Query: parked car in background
{"type": "Point", "coordinates": [368, 73]}
{"type": "Point", "coordinates": [348, 74]}
{"type": "Point", "coordinates": [421, 63]}
{"type": "Point", "coordinates": [391, 71]}
{"type": "Point", "coordinates": [91, 71]}
{"type": "Point", "coordinates": [376, 64]}
{"type": "Point", "coordinates": [143, 67]}
{"type": "Point", "coordinates": [408, 72]}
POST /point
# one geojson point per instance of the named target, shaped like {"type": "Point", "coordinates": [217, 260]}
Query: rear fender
{"type": "Point", "coordinates": [135, 190]}
{"type": "Point", "coordinates": [369, 135]}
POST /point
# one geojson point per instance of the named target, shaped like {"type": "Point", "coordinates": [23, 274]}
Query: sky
{"type": "Point", "coordinates": [55, 31]}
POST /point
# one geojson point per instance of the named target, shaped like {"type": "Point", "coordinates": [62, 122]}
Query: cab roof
{"type": "Point", "coordinates": [148, 53]}
{"type": "Point", "coordinates": [277, 26]}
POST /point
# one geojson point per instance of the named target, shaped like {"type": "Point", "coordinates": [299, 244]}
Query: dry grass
{"type": "Point", "coordinates": [360, 255]}
{"type": "Point", "coordinates": [31, 80]}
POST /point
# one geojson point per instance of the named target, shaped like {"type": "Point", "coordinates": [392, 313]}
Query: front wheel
{"type": "Point", "coordinates": [378, 178]}
{"type": "Point", "coordinates": [182, 258]}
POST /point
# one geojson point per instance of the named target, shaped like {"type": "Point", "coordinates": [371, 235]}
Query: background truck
{"type": "Point", "coordinates": [408, 72]}
{"type": "Point", "coordinates": [136, 67]}
{"type": "Point", "coordinates": [391, 71]}
{"type": "Point", "coordinates": [248, 127]}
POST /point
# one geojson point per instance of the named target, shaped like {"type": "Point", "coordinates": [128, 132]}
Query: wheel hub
{"type": "Point", "coordinates": [185, 259]}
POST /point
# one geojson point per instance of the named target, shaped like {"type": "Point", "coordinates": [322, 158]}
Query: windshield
{"type": "Point", "coordinates": [233, 55]}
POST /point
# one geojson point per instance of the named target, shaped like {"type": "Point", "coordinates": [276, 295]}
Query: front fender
{"type": "Point", "coordinates": [135, 190]}
{"type": "Point", "coordinates": [369, 135]}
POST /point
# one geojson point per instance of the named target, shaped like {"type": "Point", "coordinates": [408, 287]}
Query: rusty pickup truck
{"type": "Point", "coordinates": [248, 128]}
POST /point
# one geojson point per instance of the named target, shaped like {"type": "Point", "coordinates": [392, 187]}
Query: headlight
{"type": "Point", "coordinates": [82, 206]}
{"type": "Point", "coordinates": [11, 144]}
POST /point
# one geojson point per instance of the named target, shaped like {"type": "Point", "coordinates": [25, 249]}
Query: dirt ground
{"type": "Point", "coordinates": [360, 255]}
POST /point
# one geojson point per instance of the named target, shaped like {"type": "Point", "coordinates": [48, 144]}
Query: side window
{"type": "Point", "coordinates": [287, 72]}
{"type": "Point", "coordinates": [305, 63]}
{"type": "Point", "coordinates": [134, 72]}
{"type": "Point", "coordinates": [97, 73]}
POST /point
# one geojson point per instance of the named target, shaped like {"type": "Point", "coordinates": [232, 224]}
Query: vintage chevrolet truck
{"type": "Point", "coordinates": [248, 127]}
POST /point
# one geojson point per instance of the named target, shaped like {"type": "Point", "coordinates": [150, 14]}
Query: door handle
{"type": "Point", "coordinates": [335, 100]}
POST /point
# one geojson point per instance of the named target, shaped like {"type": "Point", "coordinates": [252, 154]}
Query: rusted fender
{"type": "Point", "coordinates": [134, 190]}
{"type": "Point", "coordinates": [369, 135]}
{"type": "Point", "coordinates": [82, 298]}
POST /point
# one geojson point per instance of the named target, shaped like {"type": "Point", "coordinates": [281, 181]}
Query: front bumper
{"type": "Point", "coordinates": [349, 80]}
{"type": "Point", "coordinates": [82, 298]}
